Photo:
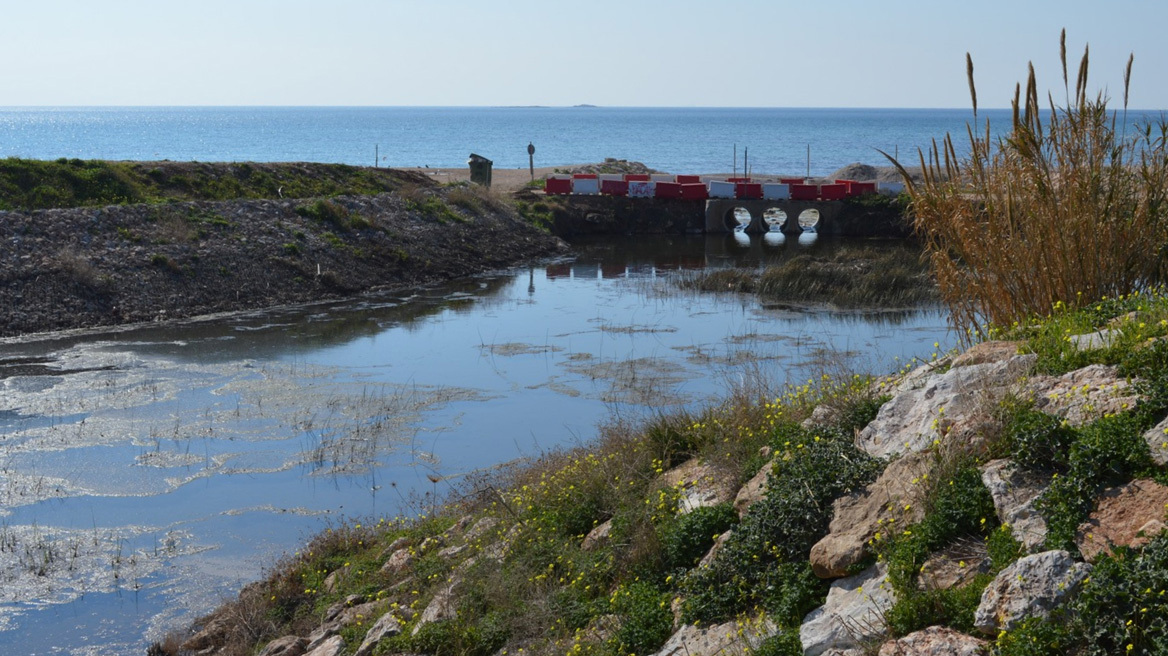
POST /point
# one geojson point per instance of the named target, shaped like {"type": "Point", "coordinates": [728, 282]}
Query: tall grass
{"type": "Point", "coordinates": [1070, 209]}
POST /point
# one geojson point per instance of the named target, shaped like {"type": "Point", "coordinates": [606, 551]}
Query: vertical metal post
{"type": "Point", "coordinates": [531, 159]}
{"type": "Point", "coordinates": [736, 160]}
{"type": "Point", "coordinates": [809, 160]}
{"type": "Point", "coordinates": [746, 162]}
{"type": "Point", "coordinates": [376, 155]}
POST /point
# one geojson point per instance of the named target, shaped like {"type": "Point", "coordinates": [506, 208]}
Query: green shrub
{"type": "Point", "coordinates": [1037, 440]}
{"type": "Point", "coordinates": [953, 607]}
{"type": "Point", "coordinates": [1123, 607]}
{"type": "Point", "coordinates": [326, 211]}
{"type": "Point", "coordinates": [812, 469]}
{"type": "Point", "coordinates": [958, 506]}
{"type": "Point", "coordinates": [1003, 548]}
{"type": "Point", "coordinates": [1106, 452]}
{"type": "Point", "coordinates": [685, 539]}
{"type": "Point", "coordinates": [786, 643]}
{"type": "Point", "coordinates": [1037, 637]}
{"type": "Point", "coordinates": [646, 620]}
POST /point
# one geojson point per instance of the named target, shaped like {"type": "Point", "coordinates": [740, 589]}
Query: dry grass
{"type": "Point", "coordinates": [1067, 210]}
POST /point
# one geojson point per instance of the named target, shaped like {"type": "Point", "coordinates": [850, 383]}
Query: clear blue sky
{"type": "Point", "coordinates": [842, 53]}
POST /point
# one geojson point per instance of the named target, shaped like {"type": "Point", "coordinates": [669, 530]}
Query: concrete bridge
{"type": "Point", "coordinates": [822, 215]}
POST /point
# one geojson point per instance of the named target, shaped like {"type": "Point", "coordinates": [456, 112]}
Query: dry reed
{"type": "Point", "coordinates": [1063, 212]}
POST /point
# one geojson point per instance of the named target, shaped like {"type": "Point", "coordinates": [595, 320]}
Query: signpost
{"type": "Point", "coordinates": [531, 159]}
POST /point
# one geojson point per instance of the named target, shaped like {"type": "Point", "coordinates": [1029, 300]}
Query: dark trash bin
{"type": "Point", "coordinates": [480, 169]}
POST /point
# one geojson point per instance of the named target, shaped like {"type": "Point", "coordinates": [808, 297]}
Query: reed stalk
{"type": "Point", "coordinates": [1063, 212]}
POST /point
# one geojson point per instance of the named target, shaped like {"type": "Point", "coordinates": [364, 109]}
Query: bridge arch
{"type": "Point", "coordinates": [737, 218]}
{"type": "Point", "coordinates": [775, 219]}
{"type": "Point", "coordinates": [809, 220]}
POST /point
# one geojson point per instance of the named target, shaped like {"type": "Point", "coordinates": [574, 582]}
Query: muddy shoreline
{"type": "Point", "coordinates": [126, 264]}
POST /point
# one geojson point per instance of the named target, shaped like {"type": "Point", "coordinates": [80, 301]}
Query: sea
{"type": "Point", "coordinates": [676, 140]}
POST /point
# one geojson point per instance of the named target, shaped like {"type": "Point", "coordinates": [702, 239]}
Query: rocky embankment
{"type": "Point", "coordinates": [82, 267]}
{"type": "Point", "coordinates": [1010, 498]}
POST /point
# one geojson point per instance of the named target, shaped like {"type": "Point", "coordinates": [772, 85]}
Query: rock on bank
{"type": "Point", "coordinates": [81, 267]}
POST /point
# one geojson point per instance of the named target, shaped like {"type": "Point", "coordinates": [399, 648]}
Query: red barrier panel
{"type": "Point", "coordinates": [791, 181]}
{"type": "Point", "coordinates": [614, 187]}
{"type": "Point", "coordinates": [668, 190]}
{"type": "Point", "coordinates": [584, 176]}
{"type": "Point", "coordinates": [694, 191]}
{"type": "Point", "coordinates": [558, 186]}
{"type": "Point", "coordinates": [833, 191]}
{"type": "Point", "coordinates": [804, 192]}
{"type": "Point", "coordinates": [636, 177]}
{"type": "Point", "coordinates": [688, 179]}
{"type": "Point", "coordinates": [748, 190]}
{"type": "Point", "coordinates": [861, 188]}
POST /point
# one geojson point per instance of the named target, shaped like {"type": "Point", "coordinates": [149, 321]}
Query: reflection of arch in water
{"type": "Point", "coordinates": [741, 238]}
{"type": "Point", "coordinates": [774, 239]}
{"type": "Point", "coordinates": [808, 238]}
{"type": "Point", "coordinates": [738, 218]}
{"type": "Point", "coordinates": [774, 219]}
{"type": "Point", "coordinates": [809, 220]}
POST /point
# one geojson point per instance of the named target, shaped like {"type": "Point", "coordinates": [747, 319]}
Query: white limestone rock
{"type": "Point", "coordinates": [853, 614]}
{"type": "Point", "coordinates": [1032, 586]}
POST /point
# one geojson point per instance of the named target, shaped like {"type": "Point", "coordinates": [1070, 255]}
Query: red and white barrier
{"type": "Point", "coordinates": [585, 186]}
{"type": "Point", "coordinates": [721, 189]}
{"type": "Point", "coordinates": [776, 191]}
{"type": "Point", "coordinates": [614, 187]}
{"type": "Point", "coordinates": [642, 188]}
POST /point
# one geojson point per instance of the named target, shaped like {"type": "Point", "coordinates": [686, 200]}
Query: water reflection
{"type": "Point", "coordinates": [808, 238]}
{"type": "Point", "coordinates": [232, 437]}
{"type": "Point", "coordinates": [774, 239]}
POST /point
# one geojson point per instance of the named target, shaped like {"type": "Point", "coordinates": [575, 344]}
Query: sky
{"type": "Point", "coordinates": [677, 53]}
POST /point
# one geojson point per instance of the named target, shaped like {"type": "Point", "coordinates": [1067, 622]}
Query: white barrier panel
{"type": "Point", "coordinates": [585, 186]}
{"type": "Point", "coordinates": [662, 177]}
{"type": "Point", "coordinates": [721, 189]}
{"type": "Point", "coordinates": [642, 189]}
{"type": "Point", "coordinates": [776, 191]}
{"type": "Point", "coordinates": [890, 188]}
{"type": "Point", "coordinates": [611, 176]}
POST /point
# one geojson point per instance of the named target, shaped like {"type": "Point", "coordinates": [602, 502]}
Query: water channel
{"type": "Point", "coordinates": [147, 473]}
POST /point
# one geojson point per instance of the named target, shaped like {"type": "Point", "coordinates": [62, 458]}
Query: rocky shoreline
{"type": "Point", "coordinates": [1007, 500]}
{"type": "Point", "coordinates": [87, 267]}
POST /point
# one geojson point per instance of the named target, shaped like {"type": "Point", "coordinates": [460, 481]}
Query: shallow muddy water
{"type": "Point", "coordinates": [147, 473]}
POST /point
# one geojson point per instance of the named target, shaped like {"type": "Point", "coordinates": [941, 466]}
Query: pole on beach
{"type": "Point", "coordinates": [736, 160]}
{"type": "Point", "coordinates": [746, 162]}
{"type": "Point", "coordinates": [809, 160]}
{"type": "Point", "coordinates": [531, 159]}
{"type": "Point", "coordinates": [376, 155]}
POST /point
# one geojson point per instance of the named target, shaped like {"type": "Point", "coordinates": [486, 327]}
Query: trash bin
{"type": "Point", "coordinates": [480, 169]}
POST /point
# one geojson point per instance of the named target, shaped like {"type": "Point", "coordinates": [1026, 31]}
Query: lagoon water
{"type": "Point", "coordinates": [678, 140]}
{"type": "Point", "coordinates": [147, 473]}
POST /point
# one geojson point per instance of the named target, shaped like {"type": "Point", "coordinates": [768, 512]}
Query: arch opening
{"type": "Point", "coordinates": [737, 219]}
{"type": "Point", "coordinates": [809, 220]}
{"type": "Point", "coordinates": [774, 219]}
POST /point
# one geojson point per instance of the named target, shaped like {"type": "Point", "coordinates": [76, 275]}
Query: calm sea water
{"type": "Point", "coordinates": [670, 139]}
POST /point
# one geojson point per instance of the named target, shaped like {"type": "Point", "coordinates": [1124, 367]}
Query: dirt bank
{"type": "Point", "coordinates": [81, 267]}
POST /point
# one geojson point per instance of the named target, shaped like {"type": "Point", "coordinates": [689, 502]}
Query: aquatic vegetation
{"type": "Point", "coordinates": [852, 277]}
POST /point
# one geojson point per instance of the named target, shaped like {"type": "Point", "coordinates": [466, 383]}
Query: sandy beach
{"type": "Point", "coordinates": [511, 180]}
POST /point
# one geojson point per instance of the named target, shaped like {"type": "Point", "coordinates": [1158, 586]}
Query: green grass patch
{"type": "Point", "coordinates": [37, 184]}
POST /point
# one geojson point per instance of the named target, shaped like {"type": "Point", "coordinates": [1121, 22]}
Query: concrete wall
{"type": "Point", "coordinates": [615, 215]}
